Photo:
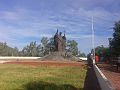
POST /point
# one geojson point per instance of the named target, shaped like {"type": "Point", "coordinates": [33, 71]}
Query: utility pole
{"type": "Point", "coordinates": [93, 41]}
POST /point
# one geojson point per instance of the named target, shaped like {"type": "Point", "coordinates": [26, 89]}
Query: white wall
{"type": "Point", "coordinates": [83, 58]}
{"type": "Point", "coordinates": [8, 58]}
{"type": "Point", "coordinates": [103, 81]}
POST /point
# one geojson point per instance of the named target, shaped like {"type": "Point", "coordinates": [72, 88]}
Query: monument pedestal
{"type": "Point", "coordinates": [60, 56]}
{"type": "Point", "coordinates": [55, 56]}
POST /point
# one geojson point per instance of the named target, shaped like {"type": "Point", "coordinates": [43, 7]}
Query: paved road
{"type": "Point", "coordinates": [91, 82]}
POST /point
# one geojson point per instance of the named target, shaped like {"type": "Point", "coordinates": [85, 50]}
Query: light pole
{"type": "Point", "coordinates": [93, 41]}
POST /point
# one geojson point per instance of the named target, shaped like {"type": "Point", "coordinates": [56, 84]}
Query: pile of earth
{"type": "Point", "coordinates": [60, 56]}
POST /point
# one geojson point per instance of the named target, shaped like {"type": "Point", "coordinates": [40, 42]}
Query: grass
{"type": "Point", "coordinates": [20, 77]}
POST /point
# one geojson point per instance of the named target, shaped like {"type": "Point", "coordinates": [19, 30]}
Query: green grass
{"type": "Point", "coordinates": [20, 77]}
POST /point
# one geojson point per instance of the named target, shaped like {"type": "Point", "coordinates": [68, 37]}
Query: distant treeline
{"type": "Point", "coordinates": [43, 48]}
{"type": "Point", "coordinates": [6, 50]}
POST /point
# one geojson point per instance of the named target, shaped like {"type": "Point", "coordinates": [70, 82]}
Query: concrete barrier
{"type": "Point", "coordinates": [9, 58]}
{"type": "Point", "coordinates": [103, 81]}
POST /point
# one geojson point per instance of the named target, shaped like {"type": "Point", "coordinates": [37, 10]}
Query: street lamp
{"type": "Point", "coordinates": [93, 41]}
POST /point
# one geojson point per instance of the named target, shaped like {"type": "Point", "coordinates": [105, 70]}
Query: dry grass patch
{"type": "Point", "coordinates": [20, 77]}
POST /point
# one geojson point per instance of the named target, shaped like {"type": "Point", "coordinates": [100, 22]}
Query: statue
{"type": "Point", "coordinates": [59, 41]}
{"type": "Point", "coordinates": [59, 49]}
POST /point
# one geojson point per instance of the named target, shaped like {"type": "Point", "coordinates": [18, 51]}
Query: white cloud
{"type": "Point", "coordinates": [72, 36]}
{"type": "Point", "coordinates": [75, 19]}
{"type": "Point", "coordinates": [12, 15]}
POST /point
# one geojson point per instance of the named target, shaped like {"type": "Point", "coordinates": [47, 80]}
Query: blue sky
{"type": "Point", "coordinates": [23, 21]}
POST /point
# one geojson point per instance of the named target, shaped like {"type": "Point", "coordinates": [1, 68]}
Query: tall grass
{"type": "Point", "coordinates": [20, 77]}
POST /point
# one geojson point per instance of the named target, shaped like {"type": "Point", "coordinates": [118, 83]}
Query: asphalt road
{"type": "Point", "coordinates": [91, 82]}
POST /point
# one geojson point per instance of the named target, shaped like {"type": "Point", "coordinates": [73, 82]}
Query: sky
{"type": "Point", "coordinates": [24, 21]}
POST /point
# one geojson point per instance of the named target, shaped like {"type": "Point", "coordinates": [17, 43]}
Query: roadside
{"type": "Point", "coordinates": [91, 82]}
{"type": "Point", "coordinates": [112, 74]}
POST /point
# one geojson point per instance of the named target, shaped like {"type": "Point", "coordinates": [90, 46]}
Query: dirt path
{"type": "Point", "coordinates": [91, 82]}
{"type": "Point", "coordinates": [48, 63]}
{"type": "Point", "coordinates": [112, 74]}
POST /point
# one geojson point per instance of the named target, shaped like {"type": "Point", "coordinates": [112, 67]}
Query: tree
{"type": "Point", "coordinates": [40, 50]}
{"type": "Point", "coordinates": [6, 50]}
{"type": "Point", "coordinates": [51, 45]}
{"type": "Point", "coordinates": [15, 51]}
{"type": "Point", "coordinates": [30, 50]}
{"type": "Point", "coordinates": [102, 52]}
{"type": "Point", "coordinates": [45, 47]}
{"type": "Point", "coordinates": [72, 46]}
{"type": "Point", "coordinates": [81, 54]}
{"type": "Point", "coordinates": [115, 43]}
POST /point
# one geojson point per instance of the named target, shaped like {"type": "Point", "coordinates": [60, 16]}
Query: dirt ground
{"type": "Point", "coordinates": [112, 74]}
{"type": "Point", "coordinates": [46, 62]}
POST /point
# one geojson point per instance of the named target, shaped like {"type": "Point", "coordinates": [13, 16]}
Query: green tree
{"type": "Point", "coordinates": [6, 50]}
{"type": "Point", "coordinates": [30, 50]}
{"type": "Point", "coordinates": [40, 50]}
{"type": "Point", "coordinates": [44, 41]}
{"type": "Point", "coordinates": [72, 45]}
{"type": "Point", "coordinates": [15, 52]}
{"type": "Point", "coordinates": [51, 45]}
{"type": "Point", "coordinates": [115, 44]}
{"type": "Point", "coordinates": [45, 47]}
{"type": "Point", "coordinates": [102, 52]}
{"type": "Point", "coordinates": [81, 54]}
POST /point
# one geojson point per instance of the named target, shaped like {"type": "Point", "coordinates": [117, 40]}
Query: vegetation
{"type": "Point", "coordinates": [72, 47]}
{"type": "Point", "coordinates": [115, 41]}
{"type": "Point", "coordinates": [30, 50]}
{"type": "Point", "coordinates": [102, 52]}
{"type": "Point", "coordinates": [81, 54]}
{"type": "Point", "coordinates": [19, 77]}
{"type": "Point", "coordinates": [5, 50]}
{"type": "Point", "coordinates": [33, 49]}
{"type": "Point", "coordinates": [106, 53]}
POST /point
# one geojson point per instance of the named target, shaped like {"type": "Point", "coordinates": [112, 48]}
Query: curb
{"type": "Point", "coordinates": [103, 81]}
